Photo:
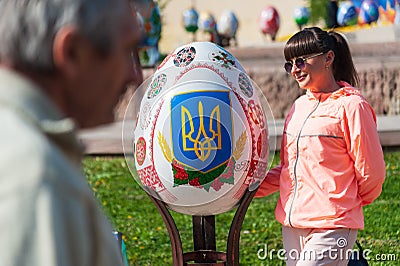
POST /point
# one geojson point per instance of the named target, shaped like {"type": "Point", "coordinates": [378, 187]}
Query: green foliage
{"type": "Point", "coordinates": [147, 241]}
{"type": "Point", "coordinates": [318, 10]}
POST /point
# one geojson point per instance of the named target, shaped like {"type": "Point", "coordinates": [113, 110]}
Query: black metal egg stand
{"type": "Point", "coordinates": [204, 241]}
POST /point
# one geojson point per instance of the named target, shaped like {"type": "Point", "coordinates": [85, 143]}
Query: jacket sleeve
{"type": "Point", "coordinates": [365, 149]}
{"type": "Point", "coordinates": [270, 183]}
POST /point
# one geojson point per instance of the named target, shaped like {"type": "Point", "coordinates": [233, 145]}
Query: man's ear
{"type": "Point", "coordinates": [67, 51]}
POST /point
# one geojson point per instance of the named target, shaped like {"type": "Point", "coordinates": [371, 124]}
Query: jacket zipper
{"type": "Point", "coordinates": [297, 160]}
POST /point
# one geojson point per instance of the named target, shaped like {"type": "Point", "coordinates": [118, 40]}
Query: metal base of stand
{"type": "Point", "coordinates": [204, 236]}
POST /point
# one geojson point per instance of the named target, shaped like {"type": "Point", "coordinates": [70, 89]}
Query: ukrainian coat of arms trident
{"type": "Point", "coordinates": [202, 135]}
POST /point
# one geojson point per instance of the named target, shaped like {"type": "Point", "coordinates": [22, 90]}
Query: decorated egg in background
{"type": "Point", "coordinates": [151, 17]}
{"type": "Point", "coordinates": [190, 20]}
{"type": "Point", "coordinates": [227, 24]}
{"type": "Point", "coordinates": [269, 21]}
{"type": "Point", "coordinates": [357, 3]}
{"type": "Point", "coordinates": [387, 14]}
{"type": "Point", "coordinates": [207, 22]}
{"type": "Point", "coordinates": [369, 12]}
{"type": "Point", "coordinates": [201, 136]}
{"type": "Point", "coordinates": [347, 14]}
{"type": "Point", "coordinates": [301, 15]}
{"type": "Point", "coordinates": [387, 4]}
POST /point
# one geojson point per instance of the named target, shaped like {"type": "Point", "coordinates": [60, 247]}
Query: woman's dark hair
{"type": "Point", "coordinates": [315, 40]}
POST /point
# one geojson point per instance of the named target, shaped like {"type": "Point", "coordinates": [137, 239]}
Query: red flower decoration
{"type": "Point", "coordinates": [217, 184]}
{"type": "Point", "coordinates": [195, 182]}
{"type": "Point", "coordinates": [180, 174]}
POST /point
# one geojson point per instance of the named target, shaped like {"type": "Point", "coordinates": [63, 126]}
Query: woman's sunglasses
{"type": "Point", "coordinates": [300, 62]}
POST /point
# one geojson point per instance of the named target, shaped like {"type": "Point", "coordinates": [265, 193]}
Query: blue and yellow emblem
{"type": "Point", "coordinates": [202, 129]}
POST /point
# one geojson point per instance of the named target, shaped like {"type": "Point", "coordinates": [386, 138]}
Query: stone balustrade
{"type": "Point", "coordinates": [378, 65]}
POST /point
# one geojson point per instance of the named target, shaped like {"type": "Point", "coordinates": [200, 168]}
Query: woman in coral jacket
{"type": "Point", "coordinates": [331, 158]}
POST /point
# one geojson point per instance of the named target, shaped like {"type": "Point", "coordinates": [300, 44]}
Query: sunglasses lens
{"type": "Point", "coordinates": [300, 63]}
{"type": "Point", "coordinates": [288, 67]}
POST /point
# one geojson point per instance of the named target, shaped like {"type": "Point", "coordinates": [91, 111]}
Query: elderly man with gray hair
{"type": "Point", "coordinates": [63, 64]}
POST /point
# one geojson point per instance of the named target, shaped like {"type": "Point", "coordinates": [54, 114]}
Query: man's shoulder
{"type": "Point", "coordinates": [29, 156]}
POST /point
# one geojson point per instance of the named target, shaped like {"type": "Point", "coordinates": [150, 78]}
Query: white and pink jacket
{"type": "Point", "coordinates": [331, 161]}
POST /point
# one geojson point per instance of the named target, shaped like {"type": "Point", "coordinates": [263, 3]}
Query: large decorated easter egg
{"type": "Point", "coordinates": [227, 24]}
{"type": "Point", "coordinates": [201, 136]}
{"type": "Point", "coordinates": [369, 12]}
{"type": "Point", "coordinates": [150, 15]}
{"type": "Point", "coordinates": [207, 22]}
{"type": "Point", "coordinates": [301, 15]}
{"type": "Point", "coordinates": [190, 20]}
{"type": "Point", "coordinates": [269, 21]}
{"type": "Point", "coordinates": [347, 14]}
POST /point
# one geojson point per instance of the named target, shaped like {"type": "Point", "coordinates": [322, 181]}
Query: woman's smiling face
{"type": "Point", "coordinates": [313, 74]}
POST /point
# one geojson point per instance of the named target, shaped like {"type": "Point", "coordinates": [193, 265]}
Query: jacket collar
{"type": "Point", "coordinates": [345, 90]}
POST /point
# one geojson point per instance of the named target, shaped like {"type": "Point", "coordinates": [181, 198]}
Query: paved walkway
{"type": "Point", "coordinates": [107, 140]}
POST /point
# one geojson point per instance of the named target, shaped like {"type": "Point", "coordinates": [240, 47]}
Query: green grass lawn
{"type": "Point", "coordinates": [132, 213]}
